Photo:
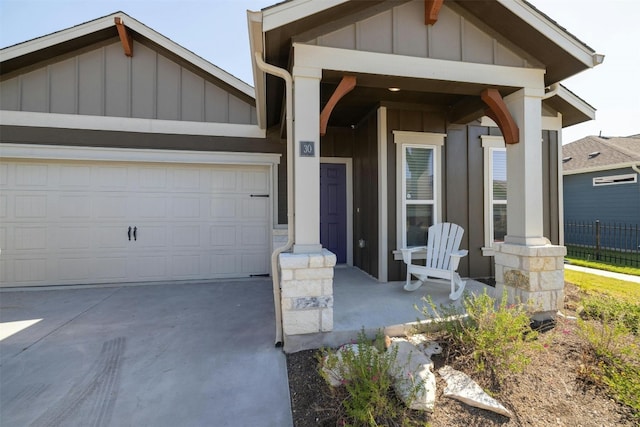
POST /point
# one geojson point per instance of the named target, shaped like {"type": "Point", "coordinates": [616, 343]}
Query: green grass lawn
{"type": "Point", "coordinates": [594, 284]}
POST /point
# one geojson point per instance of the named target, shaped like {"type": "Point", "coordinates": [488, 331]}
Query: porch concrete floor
{"type": "Point", "coordinates": [361, 302]}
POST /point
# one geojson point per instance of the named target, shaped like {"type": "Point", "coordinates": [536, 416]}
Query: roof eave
{"type": "Point", "coordinates": [287, 12]}
{"type": "Point", "coordinates": [256, 47]}
{"type": "Point", "coordinates": [553, 32]}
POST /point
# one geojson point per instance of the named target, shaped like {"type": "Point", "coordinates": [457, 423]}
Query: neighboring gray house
{"type": "Point", "coordinates": [600, 177]}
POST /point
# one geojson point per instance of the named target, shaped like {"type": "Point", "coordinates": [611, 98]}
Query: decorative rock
{"type": "Point", "coordinates": [414, 382]}
{"type": "Point", "coordinates": [464, 389]}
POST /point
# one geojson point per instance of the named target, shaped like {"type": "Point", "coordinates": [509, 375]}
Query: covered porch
{"type": "Point", "coordinates": [387, 307]}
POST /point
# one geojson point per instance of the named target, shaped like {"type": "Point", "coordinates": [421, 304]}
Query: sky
{"type": "Point", "coordinates": [216, 30]}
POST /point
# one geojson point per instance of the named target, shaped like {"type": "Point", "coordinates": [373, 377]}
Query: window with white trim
{"type": "Point", "coordinates": [630, 178]}
{"type": "Point", "coordinates": [418, 167]}
{"type": "Point", "coordinates": [495, 191]}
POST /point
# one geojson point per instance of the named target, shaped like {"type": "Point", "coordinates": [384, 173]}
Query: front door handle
{"type": "Point", "coordinates": [129, 233]}
{"type": "Point", "coordinates": [135, 232]}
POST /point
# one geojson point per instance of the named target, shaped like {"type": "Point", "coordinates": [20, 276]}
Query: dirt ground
{"type": "Point", "coordinates": [548, 393]}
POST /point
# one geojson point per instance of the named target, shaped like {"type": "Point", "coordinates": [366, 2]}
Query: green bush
{"type": "Point", "coordinates": [612, 309]}
{"type": "Point", "coordinates": [493, 336]}
{"type": "Point", "coordinates": [366, 373]}
{"type": "Point", "coordinates": [612, 358]}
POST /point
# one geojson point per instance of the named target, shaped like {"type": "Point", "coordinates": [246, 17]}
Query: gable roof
{"type": "Point", "coordinates": [535, 38]}
{"type": "Point", "coordinates": [43, 48]}
{"type": "Point", "coordinates": [593, 153]}
{"type": "Point", "coordinates": [520, 22]}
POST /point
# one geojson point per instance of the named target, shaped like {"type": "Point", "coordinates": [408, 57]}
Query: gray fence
{"type": "Point", "coordinates": [607, 242]}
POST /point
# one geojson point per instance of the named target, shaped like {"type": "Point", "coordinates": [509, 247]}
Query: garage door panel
{"type": "Point", "coordinates": [186, 180]}
{"type": "Point", "coordinates": [223, 235]}
{"type": "Point", "coordinates": [74, 237]}
{"type": "Point", "coordinates": [30, 238]}
{"type": "Point", "coordinates": [31, 176]}
{"type": "Point", "coordinates": [152, 236]}
{"type": "Point", "coordinates": [66, 222]}
{"type": "Point", "coordinates": [224, 265]}
{"type": "Point", "coordinates": [186, 266]}
{"type": "Point", "coordinates": [254, 235]}
{"type": "Point", "coordinates": [224, 180]}
{"type": "Point", "coordinates": [186, 207]}
{"type": "Point", "coordinates": [111, 177]}
{"type": "Point", "coordinates": [74, 270]}
{"type": "Point", "coordinates": [254, 263]}
{"type": "Point", "coordinates": [114, 236]}
{"type": "Point", "coordinates": [74, 206]}
{"type": "Point", "coordinates": [30, 206]}
{"type": "Point", "coordinates": [106, 268]}
{"type": "Point", "coordinates": [110, 207]}
{"type": "Point", "coordinates": [74, 177]}
{"type": "Point", "coordinates": [31, 270]}
{"type": "Point", "coordinates": [154, 206]}
{"type": "Point", "coordinates": [186, 236]}
{"type": "Point", "coordinates": [223, 208]}
{"type": "Point", "coordinates": [255, 182]}
{"type": "Point", "coordinates": [255, 208]}
{"type": "Point", "coordinates": [152, 267]}
{"type": "Point", "coordinates": [152, 178]}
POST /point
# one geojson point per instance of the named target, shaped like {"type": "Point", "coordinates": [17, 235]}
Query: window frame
{"type": "Point", "coordinates": [490, 144]}
{"type": "Point", "coordinates": [428, 140]}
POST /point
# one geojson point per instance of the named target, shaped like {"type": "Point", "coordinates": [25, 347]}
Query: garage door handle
{"type": "Point", "coordinates": [259, 195]}
{"type": "Point", "coordinates": [129, 233]}
{"type": "Point", "coordinates": [135, 231]}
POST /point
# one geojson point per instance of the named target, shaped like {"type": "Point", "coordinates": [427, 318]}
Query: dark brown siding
{"type": "Point", "coordinates": [365, 195]}
{"type": "Point", "coordinates": [550, 186]}
{"type": "Point", "coordinates": [405, 120]}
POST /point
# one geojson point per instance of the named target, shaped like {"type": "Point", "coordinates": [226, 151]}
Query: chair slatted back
{"type": "Point", "coordinates": [443, 239]}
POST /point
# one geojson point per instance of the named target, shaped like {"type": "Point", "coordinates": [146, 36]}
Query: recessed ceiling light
{"type": "Point", "coordinates": [394, 89]}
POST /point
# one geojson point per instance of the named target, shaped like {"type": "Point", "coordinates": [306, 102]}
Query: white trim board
{"type": "Point", "coordinates": [383, 197]}
{"type": "Point", "coordinates": [291, 11]}
{"type": "Point", "coordinates": [329, 58]}
{"type": "Point", "coordinates": [60, 152]}
{"type": "Point", "coordinates": [128, 124]}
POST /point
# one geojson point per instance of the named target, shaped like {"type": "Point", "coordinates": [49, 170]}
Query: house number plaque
{"type": "Point", "coordinates": [307, 149]}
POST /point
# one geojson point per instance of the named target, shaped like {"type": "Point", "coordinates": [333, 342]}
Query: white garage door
{"type": "Point", "coordinates": [108, 222]}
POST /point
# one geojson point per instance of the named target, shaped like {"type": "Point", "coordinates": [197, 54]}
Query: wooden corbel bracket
{"type": "Point", "coordinates": [499, 113]}
{"type": "Point", "coordinates": [125, 37]}
{"type": "Point", "coordinates": [345, 86]}
{"type": "Point", "coordinates": [431, 11]}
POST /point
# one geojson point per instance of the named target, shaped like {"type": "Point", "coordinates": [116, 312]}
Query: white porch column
{"type": "Point", "coordinates": [524, 168]}
{"type": "Point", "coordinates": [306, 87]}
{"type": "Point", "coordinates": [528, 267]}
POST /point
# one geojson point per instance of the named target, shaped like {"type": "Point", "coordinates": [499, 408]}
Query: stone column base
{"type": "Point", "coordinates": [533, 275]}
{"type": "Point", "coordinates": [306, 283]}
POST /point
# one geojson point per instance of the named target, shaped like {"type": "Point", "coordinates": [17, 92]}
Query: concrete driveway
{"type": "Point", "coordinates": [161, 355]}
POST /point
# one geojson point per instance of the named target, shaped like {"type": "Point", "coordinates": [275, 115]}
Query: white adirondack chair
{"type": "Point", "coordinates": [443, 257]}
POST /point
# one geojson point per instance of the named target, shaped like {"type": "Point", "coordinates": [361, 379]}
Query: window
{"type": "Point", "coordinates": [630, 178]}
{"type": "Point", "coordinates": [418, 165]}
{"type": "Point", "coordinates": [495, 189]}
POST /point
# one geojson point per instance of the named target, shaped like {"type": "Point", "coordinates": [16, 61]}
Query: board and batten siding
{"type": "Point", "coordinates": [463, 185]}
{"type": "Point", "coordinates": [400, 30]}
{"type": "Point", "coordinates": [102, 81]}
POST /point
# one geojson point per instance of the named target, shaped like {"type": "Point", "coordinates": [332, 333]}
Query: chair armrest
{"type": "Point", "coordinates": [406, 253]}
{"type": "Point", "coordinates": [461, 253]}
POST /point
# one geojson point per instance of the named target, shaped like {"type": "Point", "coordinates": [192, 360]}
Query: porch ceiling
{"type": "Point", "coordinates": [372, 90]}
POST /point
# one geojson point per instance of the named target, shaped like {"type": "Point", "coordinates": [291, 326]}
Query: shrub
{"type": "Point", "coordinates": [612, 358]}
{"type": "Point", "coordinates": [493, 336]}
{"type": "Point", "coordinates": [366, 370]}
